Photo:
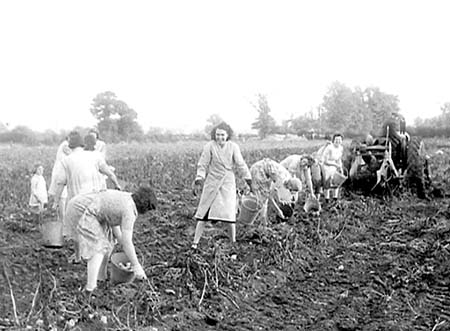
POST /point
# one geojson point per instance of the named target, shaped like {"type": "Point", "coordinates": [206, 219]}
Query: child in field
{"type": "Point", "coordinates": [38, 196]}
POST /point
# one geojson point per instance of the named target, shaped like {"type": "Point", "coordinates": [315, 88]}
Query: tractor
{"type": "Point", "coordinates": [389, 162]}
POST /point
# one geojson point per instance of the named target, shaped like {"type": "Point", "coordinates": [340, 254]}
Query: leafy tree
{"type": "Point", "coordinates": [211, 122]}
{"type": "Point", "coordinates": [343, 110]}
{"type": "Point", "coordinates": [116, 121]}
{"type": "Point", "coordinates": [265, 123]}
{"type": "Point", "coordinates": [356, 112]}
{"type": "Point", "coordinates": [306, 123]}
{"type": "Point", "coordinates": [381, 107]}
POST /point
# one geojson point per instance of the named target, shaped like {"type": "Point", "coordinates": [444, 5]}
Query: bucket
{"type": "Point", "coordinates": [311, 205]}
{"type": "Point", "coordinates": [248, 209]}
{"type": "Point", "coordinates": [338, 179]}
{"type": "Point", "coordinates": [52, 234]}
{"type": "Point", "coordinates": [119, 272]}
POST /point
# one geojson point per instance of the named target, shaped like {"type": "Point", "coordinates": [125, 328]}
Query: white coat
{"type": "Point", "coordinates": [219, 190]}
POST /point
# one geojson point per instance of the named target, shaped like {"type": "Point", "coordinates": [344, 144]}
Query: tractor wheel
{"type": "Point", "coordinates": [416, 166]}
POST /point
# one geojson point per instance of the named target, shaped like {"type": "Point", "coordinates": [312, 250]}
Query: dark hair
{"type": "Point", "coordinates": [95, 131]}
{"type": "Point", "coordinates": [75, 140]}
{"type": "Point", "coordinates": [309, 159]}
{"type": "Point", "coordinates": [145, 199]}
{"type": "Point", "coordinates": [89, 142]}
{"type": "Point", "coordinates": [222, 126]}
{"type": "Point", "coordinates": [337, 135]}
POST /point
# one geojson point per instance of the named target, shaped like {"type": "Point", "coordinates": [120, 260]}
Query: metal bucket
{"type": "Point", "coordinates": [338, 179]}
{"type": "Point", "coordinates": [52, 234]}
{"type": "Point", "coordinates": [311, 205]}
{"type": "Point", "coordinates": [119, 274]}
{"type": "Point", "coordinates": [248, 209]}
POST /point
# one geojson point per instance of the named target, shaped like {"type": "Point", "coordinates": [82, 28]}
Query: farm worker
{"type": "Point", "coordinates": [215, 172]}
{"type": "Point", "coordinates": [332, 163]}
{"type": "Point", "coordinates": [79, 171]}
{"type": "Point", "coordinates": [63, 151]}
{"type": "Point", "coordinates": [97, 219]}
{"type": "Point", "coordinates": [307, 169]}
{"type": "Point", "coordinates": [89, 145]}
{"type": "Point", "coordinates": [100, 145]}
{"type": "Point", "coordinates": [38, 195]}
{"type": "Point", "coordinates": [270, 179]}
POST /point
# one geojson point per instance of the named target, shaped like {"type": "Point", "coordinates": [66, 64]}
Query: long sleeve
{"type": "Point", "coordinates": [204, 162]}
{"type": "Point", "coordinates": [240, 163]}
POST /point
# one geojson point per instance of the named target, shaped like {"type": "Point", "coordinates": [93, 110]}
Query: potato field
{"type": "Point", "coordinates": [369, 263]}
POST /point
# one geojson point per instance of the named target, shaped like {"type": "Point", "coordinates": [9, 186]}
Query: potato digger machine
{"type": "Point", "coordinates": [390, 162]}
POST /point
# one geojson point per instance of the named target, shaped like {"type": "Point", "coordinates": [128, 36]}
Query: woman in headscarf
{"type": "Point", "coordinates": [271, 178]}
{"type": "Point", "coordinates": [215, 173]}
{"type": "Point", "coordinates": [97, 219]}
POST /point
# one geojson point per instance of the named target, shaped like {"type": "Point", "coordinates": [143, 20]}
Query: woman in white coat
{"type": "Point", "coordinates": [216, 178]}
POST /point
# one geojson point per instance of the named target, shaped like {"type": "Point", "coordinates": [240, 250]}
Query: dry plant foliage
{"type": "Point", "coordinates": [369, 263]}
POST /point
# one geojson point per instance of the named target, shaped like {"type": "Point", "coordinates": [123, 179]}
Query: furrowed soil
{"type": "Point", "coordinates": [366, 263]}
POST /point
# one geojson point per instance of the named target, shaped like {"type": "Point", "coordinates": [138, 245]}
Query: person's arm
{"type": "Point", "coordinates": [58, 193]}
{"type": "Point", "coordinates": [242, 166]}
{"type": "Point", "coordinates": [61, 181]}
{"type": "Point", "coordinates": [126, 241]}
{"type": "Point", "coordinates": [203, 162]}
{"type": "Point", "coordinates": [308, 179]}
{"type": "Point", "coordinates": [106, 170]}
{"type": "Point", "coordinates": [202, 168]}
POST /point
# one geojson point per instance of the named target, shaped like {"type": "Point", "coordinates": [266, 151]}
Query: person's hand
{"type": "Point", "coordinates": [139, 272]}
{"type": "Point", "coordinates": [197, 186]}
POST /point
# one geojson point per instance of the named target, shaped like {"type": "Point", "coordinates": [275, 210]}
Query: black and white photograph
{"type": "Point", "coordinates": [225, 165]}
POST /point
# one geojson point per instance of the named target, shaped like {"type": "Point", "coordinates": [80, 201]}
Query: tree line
{"type": "Point", "coordinates": [352, 112]}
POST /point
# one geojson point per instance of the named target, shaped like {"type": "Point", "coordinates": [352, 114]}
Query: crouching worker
{"type": "Point", "coordinates": [307, 169]}
{"type": "Point", "coordinates": [95, 220]}
{"type": "Point", "coordinates": [270, 179]}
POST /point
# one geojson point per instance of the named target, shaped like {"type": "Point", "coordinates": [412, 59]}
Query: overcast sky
{"type": "Point", "coordinates": [178, 62]}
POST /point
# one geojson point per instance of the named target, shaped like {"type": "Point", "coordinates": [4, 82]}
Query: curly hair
{"type": "Point", "coordinates": [309, 160]}
{"type": "Point", "coordinates": [145, 199]}
{"type": "Point", "coordinates": [222, 126]}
